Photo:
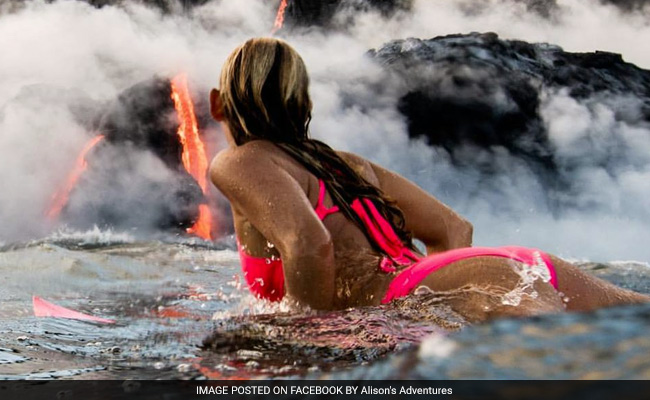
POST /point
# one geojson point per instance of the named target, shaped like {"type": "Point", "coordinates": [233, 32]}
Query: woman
{"type": "Point", "coordinates": [333, 230]}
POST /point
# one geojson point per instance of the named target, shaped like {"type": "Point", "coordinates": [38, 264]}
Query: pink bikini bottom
{"type": "Point", "coordinates": [412, 276]}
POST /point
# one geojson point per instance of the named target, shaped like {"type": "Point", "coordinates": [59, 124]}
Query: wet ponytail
{"type": "Point", "coordinates": [345, 185]}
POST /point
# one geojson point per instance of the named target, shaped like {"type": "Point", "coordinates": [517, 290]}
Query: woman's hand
{"type": "Point", "coordinates": [439, 227]}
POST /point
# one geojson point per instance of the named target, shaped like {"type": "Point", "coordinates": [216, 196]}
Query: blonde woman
{"type": "Point", "coordinates": [332, 230]}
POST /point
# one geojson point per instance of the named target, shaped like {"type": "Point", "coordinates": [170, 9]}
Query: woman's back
{"type": "Point", "coordinates": [357, 275]}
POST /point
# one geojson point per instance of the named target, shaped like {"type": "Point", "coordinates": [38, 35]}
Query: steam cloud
{"type": "Point", "coordinates": [62, 61]}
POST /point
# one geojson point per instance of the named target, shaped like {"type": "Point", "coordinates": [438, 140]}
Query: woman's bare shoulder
{"type": "Point", "coordinates": [246, 156]}
{"type": "Point", "coordinates": [221, 164]}
{"type": "Point", "coordinates": [352, 157]}
{"type": "Point", "coordinates": [237, 162]}
{"type": "Point", "coordinates": [359, 164]}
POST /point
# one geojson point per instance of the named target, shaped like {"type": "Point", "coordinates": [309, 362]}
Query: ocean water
{"type": "Point", "coordinates": [180, 307]}
{"type": "Point", "coordinates": [182, 312]}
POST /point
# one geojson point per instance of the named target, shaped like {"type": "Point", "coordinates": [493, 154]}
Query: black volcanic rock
{"type": "Point", "coordinates": [321, 13]}
{"type": "Point", "coordinates": [143, 116]}
{"type": "Point", "coordinates": [164, 5]}
{"type": "Point", "coordinates": [629, 5]}
{"type": "Point", "coordinates": [135, 177]}
{"type": "Point", "coordinates": [479, 90]}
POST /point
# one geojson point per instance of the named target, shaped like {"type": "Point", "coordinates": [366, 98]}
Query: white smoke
{"type": "Point", "coordinates": [94, 53]}
{"type": "Point", "coordinates": [605, 216]}
{"type": "Point", "coordinates": [87, 53]}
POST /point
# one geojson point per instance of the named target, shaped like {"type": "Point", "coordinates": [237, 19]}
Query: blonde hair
{"type": "Point", "coordinates": [264, 93]}
{"type": "Point", "coordinates": [264, 90]}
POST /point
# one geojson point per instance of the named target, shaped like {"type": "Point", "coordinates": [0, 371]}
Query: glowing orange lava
{"type": "Point", "coordinates": [194, 159]}
{"type": "Point", "coordinates": [60, 198]}
{"type": "Point", "coordinates": [279, 18]}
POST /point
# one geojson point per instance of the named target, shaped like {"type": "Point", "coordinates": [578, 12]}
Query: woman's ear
{"type": "Point", "coordinates": [216, 106]}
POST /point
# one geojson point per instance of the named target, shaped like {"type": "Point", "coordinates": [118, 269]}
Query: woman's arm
{"type": "Point", "coordinates": [431, 221]}
{"type": "Point", "coordinates": [274, 202]}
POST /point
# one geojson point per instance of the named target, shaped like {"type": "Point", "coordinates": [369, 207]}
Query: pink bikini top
{"type": "Point", "coordinates": [265, 276]}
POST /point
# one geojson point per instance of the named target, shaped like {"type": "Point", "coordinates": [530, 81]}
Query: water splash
{"type": "Point", "coordinates": [528, 275]}
{"type": "Point", "coordinates": [94, 236]}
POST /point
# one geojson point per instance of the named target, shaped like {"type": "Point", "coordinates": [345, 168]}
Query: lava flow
{"type": "Point", "coordinates": [279, 18]}
{"type": "Point", "coordinates": [60, 198]}
{"type": "Point", "coordinates": [194, 159]}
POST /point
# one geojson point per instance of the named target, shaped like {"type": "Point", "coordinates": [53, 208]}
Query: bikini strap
{"type": "Point", "coordinates": [320, 209]}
